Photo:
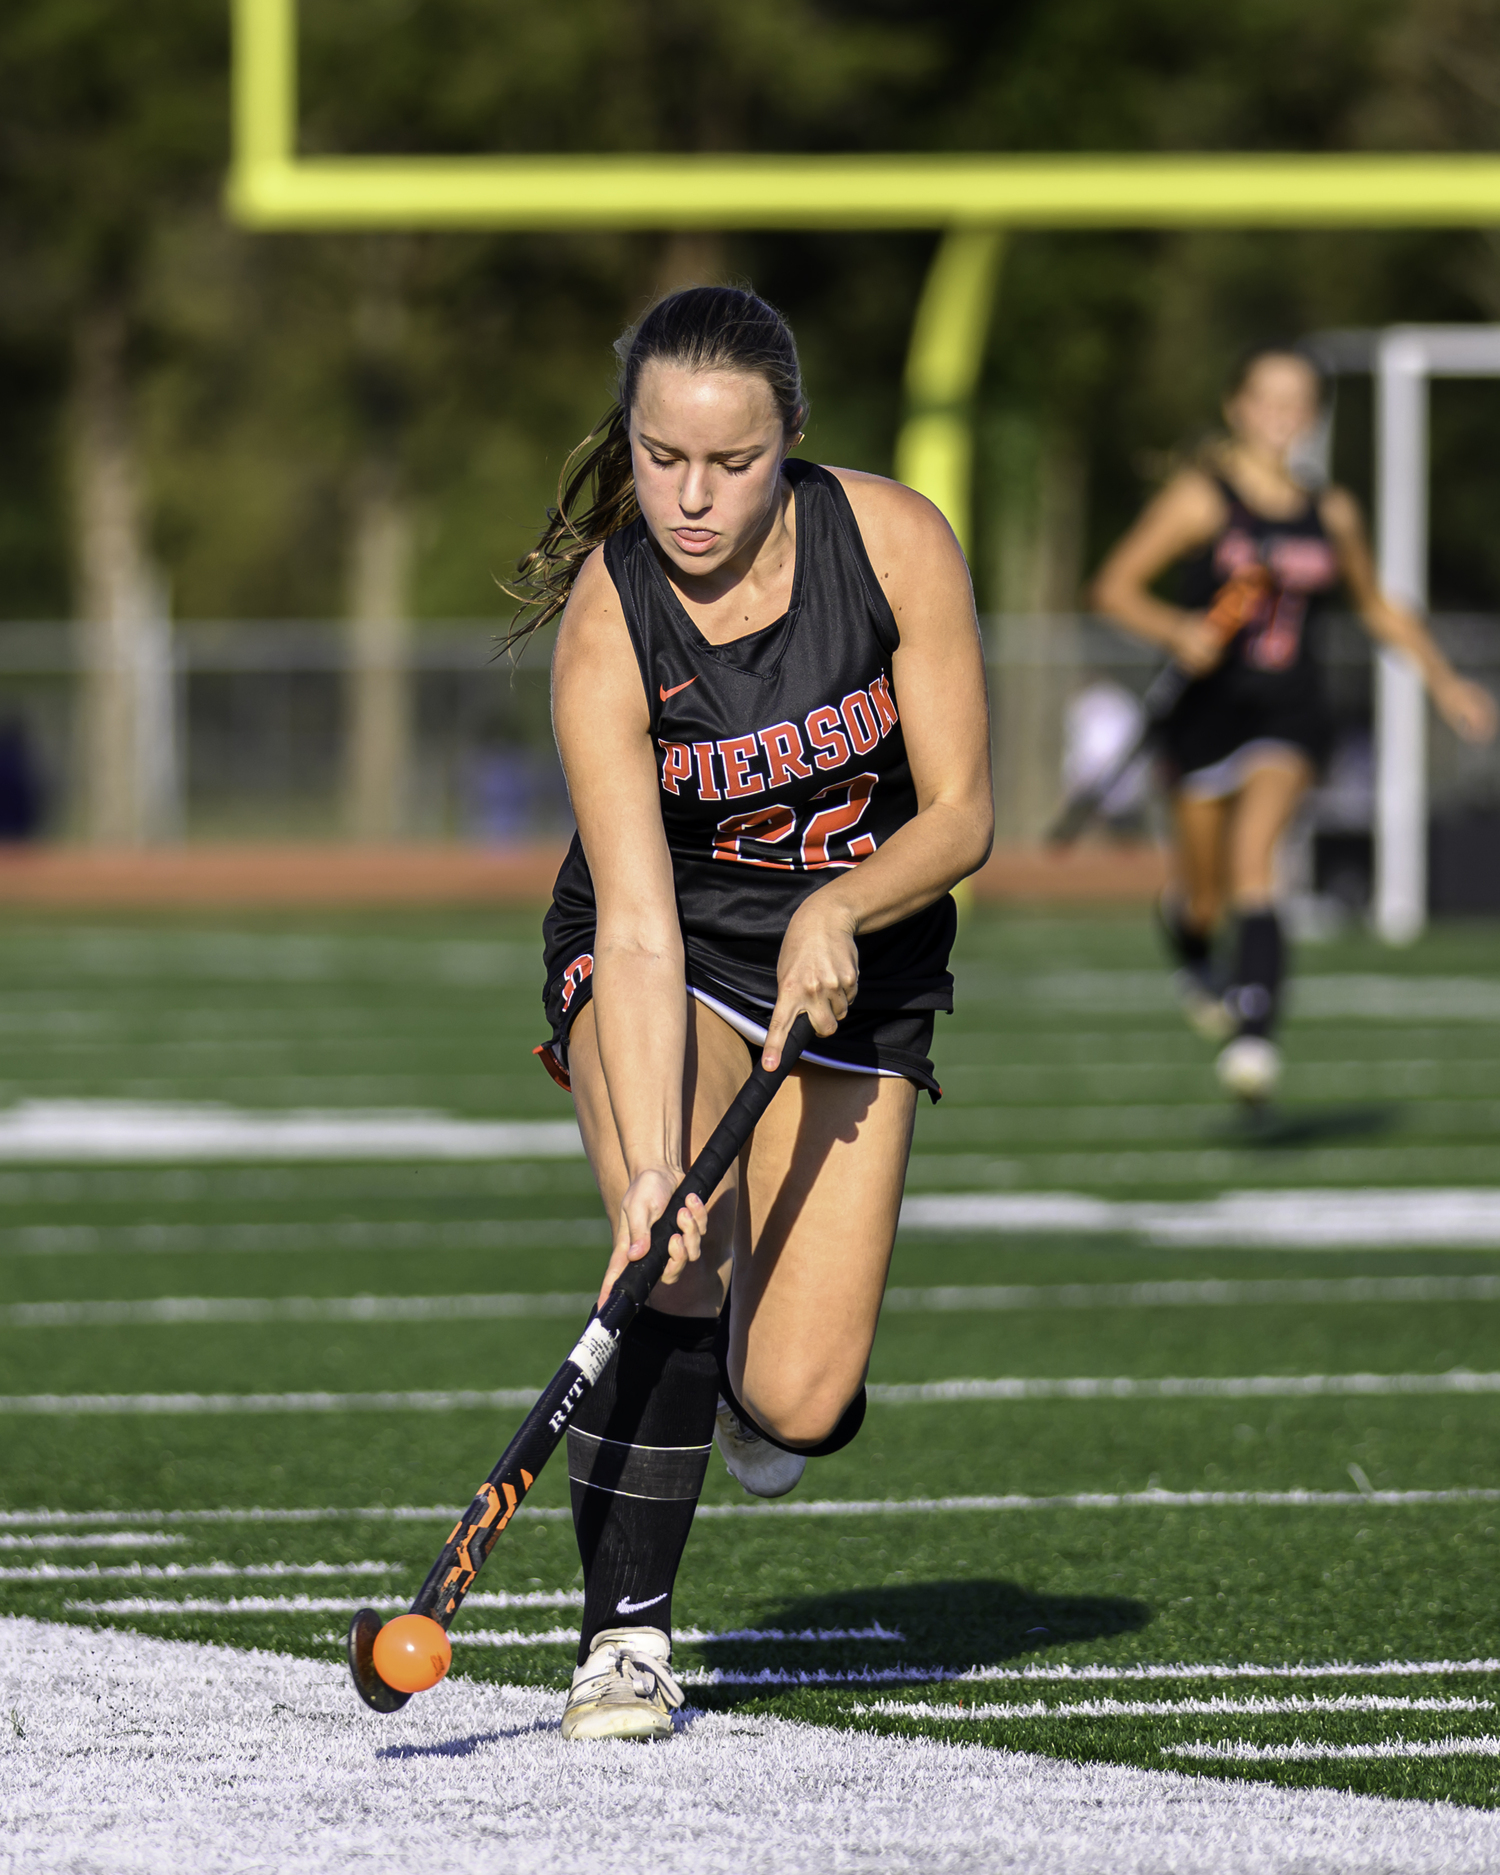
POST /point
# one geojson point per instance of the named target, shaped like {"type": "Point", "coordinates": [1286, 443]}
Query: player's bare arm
{"type": "Point", "coordinates": [602, 729]}
{"type": "Point", "coordinates": [1465, 707]}
{"type": "Point", "coordinates": [1186, 514]}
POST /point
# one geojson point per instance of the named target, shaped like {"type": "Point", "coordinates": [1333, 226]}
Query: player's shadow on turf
{"type": "Point", "coordinates": [1277, 1128]}
{"type": "Point", "coordinates": [465, 1747]}
{"type": "Point", "coordinates": [972, 1623]}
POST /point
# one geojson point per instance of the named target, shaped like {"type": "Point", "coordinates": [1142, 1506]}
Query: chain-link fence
{"type": "Point", "coordinates": [255, 718]}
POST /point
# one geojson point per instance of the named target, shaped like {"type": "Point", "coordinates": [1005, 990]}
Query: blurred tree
{"type": "Point", "coordinates": [110, 124]}
{"type": "Point", "coordinates": [373, 425]}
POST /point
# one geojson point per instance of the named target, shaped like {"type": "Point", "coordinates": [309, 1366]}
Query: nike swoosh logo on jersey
{"type": "Point", "coordinates": [664, 694]}
{"type": "Point", "coordinates": [624, 1607]}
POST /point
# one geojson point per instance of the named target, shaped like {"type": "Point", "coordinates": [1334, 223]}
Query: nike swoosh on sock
{"type": "Point", "coordinates": [626, 1607]}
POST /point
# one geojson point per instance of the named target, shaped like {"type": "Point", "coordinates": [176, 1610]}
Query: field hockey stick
{"type": "Point", "coordinates": [1235, 604]}
{"type": "Point", "coordinates": [473, 1537]}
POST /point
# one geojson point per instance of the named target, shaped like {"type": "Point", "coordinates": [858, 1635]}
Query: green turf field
{"type": "Point", "coordinates": [1153, 1560]}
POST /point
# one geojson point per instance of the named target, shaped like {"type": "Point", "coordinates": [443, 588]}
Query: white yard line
{"type": "Point", "coordinates": [192, 1572]}
{"type": "Point", "coordinates": [1315, 996]}
{"type": "Point", "coordinates": [72, 1131]}
{"type": "Point", "coordinates": [1079, 1387]}
{"type": "Point", "coordinates": [1242, 1751]}
{"type": "Point", "coordinates": [1170, 1708]}
{"type": "Point", "coordinates": [558, 1637]}
{"type": "Point", "coordinates": [1360, 1218]}
{"type": "Point", "coordinates": [1186, 1387]}
{"type": "Point", "coordinates": [311, 1604]}
{"type": "Point", "coordinates": [190, 1311]}
{"type": "Point", "coordinates": [810, 1507]}
{"type": "Point", "coordinates": [115, 1539]}
{"type": "Point", "coordinates": [142, 1755]}
{"type": "Point", "coordinates": [932, 1674]}
{"type": "Point", "coordinates": [343, 1234]}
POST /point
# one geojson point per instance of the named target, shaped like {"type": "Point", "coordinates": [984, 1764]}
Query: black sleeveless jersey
{"type": "Point", "coordinates": [1270, 683]}
{"type": "Point", "coordinates": [780, 761]}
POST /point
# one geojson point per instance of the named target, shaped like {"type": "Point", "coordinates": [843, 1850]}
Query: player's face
{"type": "Point", "coordinates": [706, 448]}
{"type": "Point", "coordinates": [1275, 405]}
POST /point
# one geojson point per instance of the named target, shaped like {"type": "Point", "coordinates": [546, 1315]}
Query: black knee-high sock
{"type": "Point", "coordinates": [1191, 947]}
{"type": "Point", "coordinates": [1260, 962]}
{"type": "Point", "coordinates": [852, 1419]}
{"type": "Point", "coordinates": [637, 1453]}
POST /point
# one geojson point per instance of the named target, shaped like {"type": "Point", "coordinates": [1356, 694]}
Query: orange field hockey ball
{"type": "Point", "coordinates": [412, 1653]}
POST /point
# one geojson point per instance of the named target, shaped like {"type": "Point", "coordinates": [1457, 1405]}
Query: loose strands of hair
{"type": "Point", "coordinates": [704, 328]}
{"type": "Point", "coordinates": [570, 536]}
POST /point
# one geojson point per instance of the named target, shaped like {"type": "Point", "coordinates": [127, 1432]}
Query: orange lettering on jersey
{"type": "Point", "coordinates": [859, 719]}
{"type": "Point", "coordinates": [737, 753]}
{"type": "Point", "coordinates": [703, 755]}
{"type": "Point", "coordinates": [763, 825]}
{"type": "Point", "coordinates": [677, 765]}
{"type": "Point", "coordinates": [885, 705]}
{"type": "Point", "coordinates": [827, 738]}
{"type": "Point", "coordinates": [782, 743]}
{"type": "Point", "coordinates": [847, 803]}
{"type": "Point", "coordinates": [575, 976]}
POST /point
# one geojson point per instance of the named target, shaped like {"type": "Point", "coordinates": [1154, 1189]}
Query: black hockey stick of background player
{"type": "Point", "coordinates": [1233, 607]}
{"type": "Point", "coordinates": [1162, 697]}
{"type": "Point", "coordinates": [463, 1556]}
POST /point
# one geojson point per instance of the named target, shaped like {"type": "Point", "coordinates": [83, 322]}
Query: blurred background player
{"type": "Point", "coordinates": [769, 699]}
{"type": "Point", "coordinates": [1252, 729]}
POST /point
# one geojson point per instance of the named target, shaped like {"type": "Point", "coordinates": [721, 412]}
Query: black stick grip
{"type": "Point", "coordinates": [474, 1535]}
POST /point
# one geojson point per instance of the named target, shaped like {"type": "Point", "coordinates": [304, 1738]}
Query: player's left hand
{"type": "Point", "coordinates": [1468, 709]}
{"type": "Point", "coordinates": [817, 972]}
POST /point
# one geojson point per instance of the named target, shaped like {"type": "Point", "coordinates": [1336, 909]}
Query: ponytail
{"type": "Point", "coordinates": [705, 328]}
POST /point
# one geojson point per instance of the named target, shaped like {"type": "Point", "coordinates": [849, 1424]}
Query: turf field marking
{"type": "Point", "coordinates": [312, 1604]}
{"type": "Point", "coordinates": [120, 1539]}
{"type": "Point", "coordinates": [1423, 1165]}
{"type": "Point", "coordinates": [69, 1131]}
{"type": "Point", "coordinates": [169, 1311]}
{"type": "Point", "coordinates": [1186, 1387]}
{"type": "Point", "coordinates": [1313, 1219]}
{"type": "Point", "coordinates": [1155, 1499]}
{"type": "Point", "coordinates": [1080, 1387]}
{"type": "Point", "coordinates": [558, 1637]}
{"type": "Point", "coordinates": [1302, 1752]}
{"type": "Point", "coordinates": [932, 1675]}
{"type": "Point", "coordinates": [1170, 1708]}
{"type": "Point", "coordinates": [1327, 997]}
{"type": "Point", "coordinates": [191, 1572]}
{"type": "Point", "coordinates": [186, 1311]}
{"type": "Point", "coordinates": [337, 1234]}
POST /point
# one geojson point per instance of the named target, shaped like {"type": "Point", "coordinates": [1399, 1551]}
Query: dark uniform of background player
{"type": "Point", "coordinates": [1252, 730]}
{"type": "Point", "coordinates": [768, 693]}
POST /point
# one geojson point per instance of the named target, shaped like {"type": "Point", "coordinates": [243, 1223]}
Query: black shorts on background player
{"type": "Point", "coordinates": [1270, 686]}
{"type": "Point", "coordinates": [780, 758]}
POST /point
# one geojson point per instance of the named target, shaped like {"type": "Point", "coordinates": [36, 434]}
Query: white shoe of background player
{"type": "Point", "coordinates": [1249, 1068]}
{"type": "Point", "coordinates": [625, 1689]}
{"type": "Point", "coordinates": [764, 1469]}
{"type": "Point", "coordinates": [1207, 1014]}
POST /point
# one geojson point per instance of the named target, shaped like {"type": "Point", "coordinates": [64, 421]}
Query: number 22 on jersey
{"type": "Point", "coordinates": [766, 836]}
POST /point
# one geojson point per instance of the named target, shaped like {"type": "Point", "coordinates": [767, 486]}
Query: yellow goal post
{"type": "Point", "coordinates": [970, 200]}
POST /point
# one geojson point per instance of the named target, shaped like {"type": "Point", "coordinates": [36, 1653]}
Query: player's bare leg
{"type": "Point", "coordinates": [1263, 809]}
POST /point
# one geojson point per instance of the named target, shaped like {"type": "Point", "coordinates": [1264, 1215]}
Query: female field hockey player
{"type": "Point", "coordinates": [1261, 560]}
{"type": "Point", "coordinates": [768, 694]}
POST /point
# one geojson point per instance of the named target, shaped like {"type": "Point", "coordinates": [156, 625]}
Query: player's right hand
{"type": "Point", "coordinates": [1197, 645]}
{"type": "Point", "coordinates": [649, 1195]}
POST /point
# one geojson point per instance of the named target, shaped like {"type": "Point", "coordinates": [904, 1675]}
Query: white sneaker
{"type": "Point", "coordinates": [1249, 1068]}
{"type": "Point", "coordinates": [764, 1469]}
{"type": "Point", "coordinates": [1207, 1015]}
{"type": "Point", "coordinates": [625, 1689]}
